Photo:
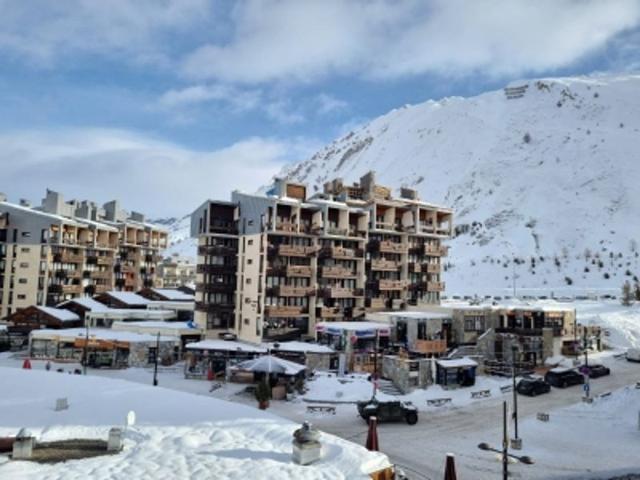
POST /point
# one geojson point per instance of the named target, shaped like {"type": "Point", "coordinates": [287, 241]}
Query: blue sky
{"type": "Point", "coordinates": [165, 103]}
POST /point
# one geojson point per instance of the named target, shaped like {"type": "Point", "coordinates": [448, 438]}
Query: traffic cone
{"type": "Point", "coordinates": [372, 435]}
{"type": "Point", "coordinates": [26, 364]}
{"type": "Point", "coordinates": [210, 375]}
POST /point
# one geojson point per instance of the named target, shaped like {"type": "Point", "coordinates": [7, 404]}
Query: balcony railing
{"type": "Point", "coordinates": [392, 284]}
{"type": "Point", "coordinates": [101, 275]}
{"type": "Point", "coordinates": [385, 265]}
{"type": "Point", "coordinates": [337, 272]}
{"type": "Point", "coordinates": [290, 291]}
{"type": "Point", "coordinates": [329, 312]}
{"type": "Point", "coordinates": [285, 311]}
{"type": "Point", "coordinates": [339, 292]}
{"type": "Point", "coordinates": [338, 231]}
{"type": "Point", "coordinates": [298, 271]}
{"type": "Point", "coordinates": [435, 286]}
{"type": "Point", "coordinates": [387, 246]}
{"type": "Point", "coordinates": [285, 226]}
{"type": "Point", "coordinates": [376, 303]}
{"type": "Point", "coordinates": [430, 346]}
{"type": "Point", "coordinates": [67, 257]}
{"type": "Point", "coordinates": [296, 250]}
{"type": "Point", "coordinates": [215, 287]}
{"type": "Point", "coordinates": [341, 253]}
{"type": "Point", "coordinates": [227, 269]}
{"type": "Point", "coordinates": [214, 307]}
{"type": "Point", "coordinates": [433, 267]}
{"type": "Point", "coordinates": [436, 250]}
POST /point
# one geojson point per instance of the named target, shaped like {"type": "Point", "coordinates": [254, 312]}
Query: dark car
{"type": "Point", "coordinates": [532, 386]}
{"type": "Point", "coordinates": [391, 411]}
{"type": "Point", "coordinates": [563, 377]}
{"type": "Point", "coordinates": [595, 371]}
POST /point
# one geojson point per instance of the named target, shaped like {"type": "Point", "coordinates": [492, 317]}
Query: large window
{"type": "Point", "coordinates": [474, 323]}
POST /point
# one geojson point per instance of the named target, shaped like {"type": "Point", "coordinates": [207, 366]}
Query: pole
{"type": "Point", "coordinates": [505, 443]}
{"type": "Point", "coordinates": [513, 262]}
{"type": "Point", "coordinates": [86, 347]}
{"type": "Point", "coordinates": [515, 397]}
{"type": "Point", "coordinates": [155, 363]}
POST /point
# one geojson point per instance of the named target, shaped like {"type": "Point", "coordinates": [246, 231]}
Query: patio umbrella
{"type": "Point", "coordinates": [271, 364]}
{"type": "Point", "coordinates": [372, 435]}
{"type": "Point", "coordinates": [450, 468]}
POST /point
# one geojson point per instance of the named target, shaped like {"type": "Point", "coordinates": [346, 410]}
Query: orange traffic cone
{"type": "Point", "coordinates": [210, 375]}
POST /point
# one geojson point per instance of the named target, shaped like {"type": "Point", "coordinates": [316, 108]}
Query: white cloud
{"type": "Point", "coordinates": [146, 174]}
{"type": "Point", "coordinates": [294, 41]}
{"type": "Point", "coordinates": [329, 104]}
{"type": "Point", "coordinates": [41, 32]}
{"type": "Point", "coordinates": [240, 100]}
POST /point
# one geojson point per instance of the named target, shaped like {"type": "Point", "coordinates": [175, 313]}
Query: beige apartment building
{"type": "Point", "coordinates": [271, 267]}
{"type": "Point", "coordinates": [63, 250]}
{"type": "Point", "coordinates": [174, 272]}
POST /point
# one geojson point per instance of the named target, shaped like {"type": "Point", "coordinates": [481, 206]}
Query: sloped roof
{"type": "Point", "coordinates": [60, 314]}
{"type": "Point", "coordinates": [129, 298]}
{"type": "Point", "coordinates": [173, 294]}
{"type": "Point", "coordinates": [86, 302]}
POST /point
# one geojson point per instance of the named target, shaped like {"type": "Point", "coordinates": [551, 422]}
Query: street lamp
{"type": "Point", "coordinates": [86, 349]}
{"type": "Point", "coordinates": [155, 363]}
{"type": "Point", "coordinates": [516, 443]}
{"type": "Point", "coordinates": [505, 447]}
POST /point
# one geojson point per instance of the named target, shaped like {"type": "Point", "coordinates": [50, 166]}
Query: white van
{"type": "Point", "coordinates": [633, 354]}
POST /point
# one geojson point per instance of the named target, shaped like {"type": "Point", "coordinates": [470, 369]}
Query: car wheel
{"type": "Point", "coordinates": [411, 418]}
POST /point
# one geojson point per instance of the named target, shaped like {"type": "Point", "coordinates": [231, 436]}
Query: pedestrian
{"type": "Point", "coordinates": [47, 366]}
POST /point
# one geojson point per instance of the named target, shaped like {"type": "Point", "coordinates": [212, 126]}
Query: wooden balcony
{"type": "Point", "coordinates": [430, 346]}
{"type": "Point", "coordinates": [289, 291]}
{"type": "Point", "coordinates": [385, 265]}
{"type": "Point", "coordinates": [298, 271]}
{"type": "Point", "coordinates": [66, 257]}
{"type": "Point", "coordinates": [338, 292]}
{"type": "Point", "coordinates": [101, 275]}
{"type": "Point", "coordinates": [286, 227]}
{"type": "Point", "coordinates": [436, 250]}
{"type": "Point", "coordinates": [387, 246]}
{"type": "Point", "coordinates": [433, 267]}
{"type": "Point", "coordinates": [102, 260]}
{"type": "Point", "coordinates": [102, 288]}
{"type": "Point", "coordinates": [336, 272]}
{"type": "Point", "coordinates": [341, 253]}
{"type": "Point", "coordinates": [329, 312]}
{"type": "Point", "coordinates": [376, 303]}
{"type": "Point", "coordinates": [392, 284]}
{"type": "Point", "coordinates": [74, 289]}
{"type": "Point", "coordinates": [435, 286]}
{"type": "Point", "coordinates": [296, 250]}
{"type": "Point", "coordinates": [343, 232]}
{"type": "Point", "coordinates": [285, 311]}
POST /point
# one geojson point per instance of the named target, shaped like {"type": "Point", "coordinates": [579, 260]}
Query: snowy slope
{"type": "Point", "coordinates": [550, 178]}
{"type": "Point", "coordinates": [180, 242]}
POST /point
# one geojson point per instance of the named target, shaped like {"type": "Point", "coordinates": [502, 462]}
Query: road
{"type": "Point", "coordinates": [421, 449]}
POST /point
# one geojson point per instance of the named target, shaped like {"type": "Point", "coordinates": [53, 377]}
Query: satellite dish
{"type": "Point", "coordinates": [131, 418]}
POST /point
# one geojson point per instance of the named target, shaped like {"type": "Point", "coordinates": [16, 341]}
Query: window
{"type": "Point", "coordinates": [24, 265]}
{"type": "Point", "coordinates": [22, 280]}
{"type": "Point", "coordinates": [22, 297]}
{"type": "Point", "coordinates": [247, 300]}
{"type": "Point", "coordinates": [246, 321]}
{"type": "Point", "coordinates": [26, 234]}
{"type": "Point", "coordinates": [473, 324]}
{"type": "Point", "coordinates": [248, 282]}
{"type": "Point", "coordinates": [25, 250]}
{"type": "Point", "coordinates": [249, 261]}
{"type": "Point", "coordinates": [250, 242]}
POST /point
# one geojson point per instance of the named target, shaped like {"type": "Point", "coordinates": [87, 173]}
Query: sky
{"type": "Point", "coordinates": [165, 103]}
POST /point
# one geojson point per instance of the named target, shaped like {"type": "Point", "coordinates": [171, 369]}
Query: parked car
{"type": "Point", "coordinates": [532, 386]}
{"type": "Point", "coordinates": [563, 377]}
{"type": "Point", "coordinates": [633, 355]}
{"type": "Point", "coordinates": [388, 411]}
{"type": "Point", "coordinates": [595, 371]}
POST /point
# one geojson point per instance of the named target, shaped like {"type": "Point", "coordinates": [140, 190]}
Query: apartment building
{"type": "Point", "coordinates": [270, 267]}
{"type": "Point", "coordinates": [63, 250]}
{"type": "Point", "coordinates": [174, 272]}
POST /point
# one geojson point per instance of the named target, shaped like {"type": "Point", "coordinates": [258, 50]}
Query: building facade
{"type": "Point", "coordinates": [174, 272]}
{"type": "Point", "coordinates": [63, 250]}
{"type": "Point", "coordinates": [272, 266]}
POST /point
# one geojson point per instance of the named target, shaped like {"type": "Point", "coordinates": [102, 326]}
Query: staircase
{"type": "Point", "coordinates": [387, 386]}
{"type": "Point", "coordinates": [464, 351]}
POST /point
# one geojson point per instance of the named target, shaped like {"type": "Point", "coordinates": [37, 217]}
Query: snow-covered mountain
{"type": "Point", "coordinates": [545, 171]}
{"type": "Point", "coordinates": [180, 242]}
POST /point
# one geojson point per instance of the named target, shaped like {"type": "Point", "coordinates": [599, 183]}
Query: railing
{"type": "Point", "coordinates": [433, 268]}
{"type": "Point", "coordinates": [298, 271]}
{"type": "Point", "coordinates": [392, 247]}
{"type": "Point", "coordinates": [101, 275]}
{"type": "Point", "coordinates": [338, 292]}
{"type": "Point", "coordinates": [286, 226]}
{"type": "Point", "coordinates": [215, 287]}
{"type": "Point", "coordinates": [284, 311]}
{"type": "Point", "coordinates": [430, 346]}
{"type": "Point", "coordinates": [329, 312]}
{"type": "Point", "coordinates": [216, 269]}
{"type": "Point", "coordinates": [336, 272]}
{"type": "Point", "coordinates": [537, 332]}
{"type": "Point", "coordinates": [385, 226]}
{"type": "Point", "coordinates": [435, 286]}
{"type": "Point", "coordinates": [102, 288]}
{"type": "Point", "coordinates": [341, 252]}
{"type": "Point", "coordinates": [392, 284]}
{"type": "Point", "coordinates": [415, 267]}
{"type": "Point", "coordinates": [338, 231]}
{"type": "Point", "coordinates": [290, 291]}
{"type": "Point", "coordinates": [67, 258]}
{"type": "Point", "coordinates": [376, 303]}
{"type": "Point", "coordinates": [214, 307]}
{"type": "Point", "coordinates": [296, 250]}
{"type": "Point", "coordinates": [384, 265]}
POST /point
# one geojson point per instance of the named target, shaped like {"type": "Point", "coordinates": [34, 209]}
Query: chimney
{"type": "Point", "coordinates": [25, 203]}
{"type": "Point", "coordinates": [3, 197]}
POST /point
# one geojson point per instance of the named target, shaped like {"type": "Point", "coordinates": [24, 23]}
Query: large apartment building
{"type": "Point", "coordinates": [62, 250]}
{"type": "Point", "coordinates": [272, 266]}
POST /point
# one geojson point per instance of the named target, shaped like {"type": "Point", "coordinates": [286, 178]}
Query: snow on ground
{"type": "Point", "coordinates": [177, 435]}
{"type": "Point", "coordinates": [623, 323]}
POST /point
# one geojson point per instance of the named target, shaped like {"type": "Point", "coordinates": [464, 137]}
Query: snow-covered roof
{"type": "Point", "coordinates": [129, 298]}
{"type": "Point", "coordinates": [173, 294]}
{"type": "Point", "coordinates": [457, 363]}
{"type": "Point", "coordinates": [418, 315]}
{"type": "Point", "coordinates": [138, 313]}
{"type": "Point", "coordinates": [351, 326]}
{"type": "Point", "coordinates": [60, 314]}
{"type": "Point", "coordinates": [152, 327]}
{"type": "Point", "coordinates": [303, 347]}
{"type": "Point", "coordinates": [269, 363]}
{"type": "Point", "coordinates": [560, 369]}
{"type": "Point", "coordinates": [98, 334]}
{"type": "Point", "coordinates": [171, 305]}
{"type": "Point", "coordinates": [226, 345]}
{"type": "Point", "coordinates": [51, 216]}
{"type": "Point", "coordinates": [86, 302]}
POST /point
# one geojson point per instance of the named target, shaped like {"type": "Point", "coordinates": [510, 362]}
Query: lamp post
{"type": "Point", "coordinates": [517, 444]}
{"type": "Point", "coordinates": [505, 447]}
{"type": "Point", "coordinates": [155, 363]}
{"type": "Point", "coordinates": [86, 349]}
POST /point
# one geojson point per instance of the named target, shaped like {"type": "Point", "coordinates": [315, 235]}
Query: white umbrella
{"type": "Point", "coordinates": [271, 364]}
